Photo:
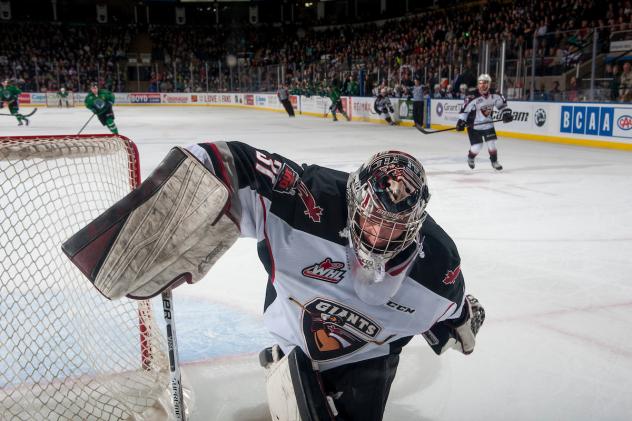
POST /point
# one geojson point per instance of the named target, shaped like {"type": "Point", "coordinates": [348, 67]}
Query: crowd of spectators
{"type": "Point", "coordinates": [41, 57]}
{"type": "Point", "coordinates": [442, 47]}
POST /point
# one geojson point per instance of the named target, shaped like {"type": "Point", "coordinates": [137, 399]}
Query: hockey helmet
{"type": "Point", "coordinates": [386, 202]}
{"type": "Point", "coordinates": [484, 77]}
{"type": "Point", "coordinates": [484, 82]}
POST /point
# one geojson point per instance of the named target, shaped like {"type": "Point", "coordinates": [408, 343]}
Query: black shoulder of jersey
{"type": "Point", "coordinates": [328, 190]}
{"type": "Point", "coordinates": [438, 266]}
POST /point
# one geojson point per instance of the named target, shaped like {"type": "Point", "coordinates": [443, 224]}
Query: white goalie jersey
{"type": "Point", "coordinates": [298, 214]}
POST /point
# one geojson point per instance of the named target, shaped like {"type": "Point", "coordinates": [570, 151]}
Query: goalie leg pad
{"type": "Point", "coordinates": [294, 388]}
{"type": "Point", "coordinates": [171, 229]}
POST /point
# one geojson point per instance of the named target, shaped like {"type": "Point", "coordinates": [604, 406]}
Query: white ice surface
{"type": "Point", "coordinates": [546, 246]}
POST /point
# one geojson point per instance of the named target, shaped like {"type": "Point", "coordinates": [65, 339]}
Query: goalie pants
{"type": "Point", "coordinates": [365, 386]}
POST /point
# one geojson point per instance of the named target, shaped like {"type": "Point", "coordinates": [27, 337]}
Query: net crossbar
{"type": "Point", "coordinates": [67, 352]}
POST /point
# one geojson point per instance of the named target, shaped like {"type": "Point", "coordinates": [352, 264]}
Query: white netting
{"type": "Point", "coordinates": [54, 100]}
{"type": "Point", "coordinates": [66, 352]}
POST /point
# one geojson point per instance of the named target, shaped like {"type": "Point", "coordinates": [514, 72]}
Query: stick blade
{"type": "Point", "coordinates": [422, 129]}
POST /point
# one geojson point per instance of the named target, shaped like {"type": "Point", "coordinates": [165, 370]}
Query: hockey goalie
{"type": "Point", "coordinates": [356, 266]}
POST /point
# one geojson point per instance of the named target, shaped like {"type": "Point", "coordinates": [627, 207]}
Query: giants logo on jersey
{"type": "Point", "coordinates": [326, 270]}
{"type": "Point", "coordinates": [487, 110]}
{"type": "Point", "coordinates": [332, 330]}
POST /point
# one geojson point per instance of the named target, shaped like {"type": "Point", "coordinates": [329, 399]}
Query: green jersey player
{"type": "Point", "coordinates": [334, 95]}
{"type": "Point", "coordinates": [62, 96]}
{"type": "Point", "coordinates": [10, 94]}
{"type": "Point", "coordinates": [100, 101]}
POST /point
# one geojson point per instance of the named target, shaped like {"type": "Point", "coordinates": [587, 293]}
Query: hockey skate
{"type": "Point", "coordinates": [470, 162]}
{"type": "Point", "coordinates": [20, 123]}
{"type": "Point", "coordinates": [497, 165]}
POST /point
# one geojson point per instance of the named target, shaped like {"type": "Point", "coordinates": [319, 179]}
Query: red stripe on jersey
{"type": "Point", "coordinates": [222, 169]}
{"type": "Point", "coordinates": [446, 310]}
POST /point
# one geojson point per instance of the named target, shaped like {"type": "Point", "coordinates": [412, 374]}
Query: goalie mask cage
{"type": "Point", "coordinates": [67, 352]}
{"type": "Point", "coordinates": [53, 100]}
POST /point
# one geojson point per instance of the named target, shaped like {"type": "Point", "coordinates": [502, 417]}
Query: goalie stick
{"type": "Point", "coordinates": [176, 378]}
{"type": "Point", "coordinates": [23, 115]}
{"type": "Point", "coordinates": [425, 131]}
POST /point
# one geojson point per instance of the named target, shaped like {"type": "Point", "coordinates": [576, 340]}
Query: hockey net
{"type": "Point", "coordinates": [54, 100]}
{"type": "Point", "coordinates": [66, 352]}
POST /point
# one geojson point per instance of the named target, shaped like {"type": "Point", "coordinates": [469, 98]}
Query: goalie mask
{"type": "Point", "coordinates": [386, 199]}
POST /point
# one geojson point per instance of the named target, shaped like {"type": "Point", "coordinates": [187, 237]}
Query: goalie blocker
{"type": "Point", "coordinates": [459, 334]}
{"type": "Point", "coordinates": [171, 229]}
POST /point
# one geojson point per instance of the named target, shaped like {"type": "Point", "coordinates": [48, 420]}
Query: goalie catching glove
{"type": "Point", "coordinates": [170, 229]}
{"type": "Point", "coordinates": [460, 333]}
{"type": "Point", "coordinates": [506, 115]}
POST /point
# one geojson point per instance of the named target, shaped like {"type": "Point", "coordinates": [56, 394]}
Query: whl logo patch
{"type": "Point", "coordinates": [326, 270]}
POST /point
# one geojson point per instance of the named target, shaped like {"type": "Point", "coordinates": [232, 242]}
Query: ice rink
{"type": "Point", "coordinates": [546, 246]}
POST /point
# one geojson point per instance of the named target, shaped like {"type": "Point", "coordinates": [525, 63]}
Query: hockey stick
{"type": "Point", "coordinates": [84, 126]}
{"type": "Point", "coordinates": [23, 115]}
{"type": "Point", "coordinates": [174, 367]}
{"type": "Point", "coordinates": [425, 131]}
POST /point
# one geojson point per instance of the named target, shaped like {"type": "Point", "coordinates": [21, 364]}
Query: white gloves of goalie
{"type": "Point", "coordinates": [460, 333]}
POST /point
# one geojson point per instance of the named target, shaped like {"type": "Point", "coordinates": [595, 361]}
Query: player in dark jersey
{"type": "Point", "coordinates": [476, 114]}
{"type": "Point", "coordinates": [356, 266]}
